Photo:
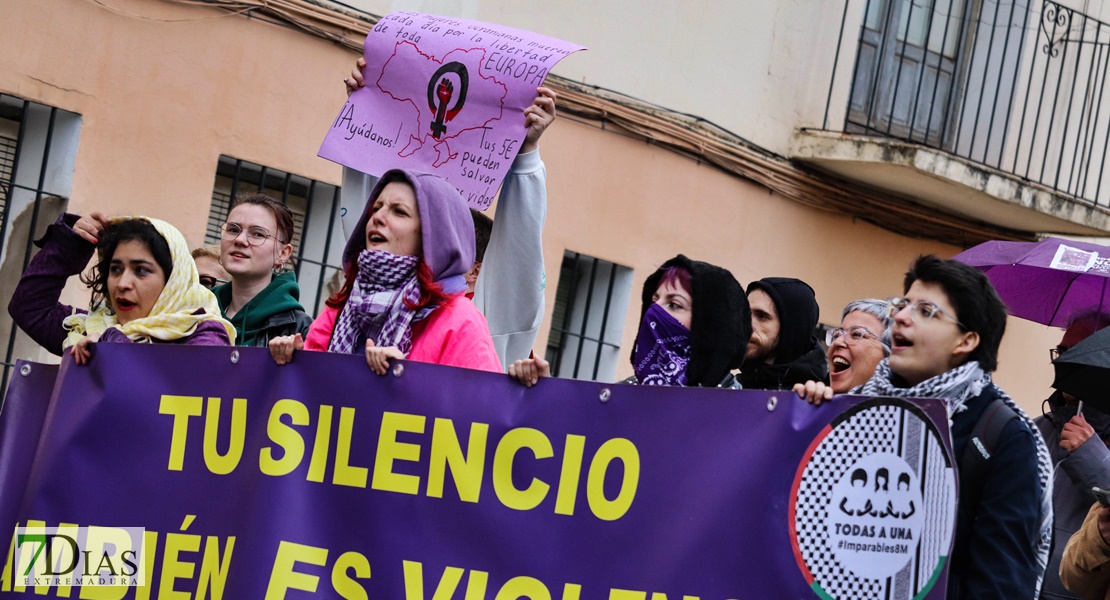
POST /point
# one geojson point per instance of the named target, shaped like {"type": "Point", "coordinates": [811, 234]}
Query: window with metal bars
{"type": "Point", "coordinates": [38, 148]}
{"type": "Point", "coordinates": [591, 302]}
{"type": "Point", "coordinates": [318, 236]}
{"type": "Point", "coordinates": [7, 159]}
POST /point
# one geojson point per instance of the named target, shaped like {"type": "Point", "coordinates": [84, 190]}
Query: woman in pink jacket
{"type": "Point", "coordinates": [403, 294]}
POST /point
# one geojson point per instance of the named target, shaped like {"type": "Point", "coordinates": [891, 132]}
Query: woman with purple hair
{"type": "Point", "coordinates": [694, 328]}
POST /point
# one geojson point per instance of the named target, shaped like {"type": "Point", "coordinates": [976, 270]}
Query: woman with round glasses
{"type": "Point", "coordinates": [854, 349]}
{"type": "Point", "coordinates": [944, 344]}
{"type": "Point", "coordinates": [859, 344]}
{"type": "Point", "coordinates": [262, 299]}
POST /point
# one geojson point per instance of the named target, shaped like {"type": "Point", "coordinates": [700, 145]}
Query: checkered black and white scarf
{"type": "Point", "coordinates": [377, 307]}
{"type": "Point", "coordinates": [957, 386]}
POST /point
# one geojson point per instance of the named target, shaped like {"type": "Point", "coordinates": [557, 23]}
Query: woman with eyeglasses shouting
{"type": "Point", "coordinates": [262, 298]}
{"type": "Point", "coordinates": [947, 328]}
{"type": "Point", "coordinates": [854, 349]}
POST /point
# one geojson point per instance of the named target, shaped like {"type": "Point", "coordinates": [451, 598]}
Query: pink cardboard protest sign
{"type": "Point", "coordinates": [446, 96]}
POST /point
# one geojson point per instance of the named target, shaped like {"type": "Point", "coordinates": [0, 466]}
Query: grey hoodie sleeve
{"type": "Point", "coordinates": [510, 287]}
{"type": "Point", "coordinates": [1089, 466]}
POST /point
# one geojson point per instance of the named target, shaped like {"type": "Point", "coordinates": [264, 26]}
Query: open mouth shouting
{"type": "Point", "coordinates": [841, 376]}
{"type": "Point", "coordinates": [899, 341]}
{"type": "Point", "coordinates": [374, 237]}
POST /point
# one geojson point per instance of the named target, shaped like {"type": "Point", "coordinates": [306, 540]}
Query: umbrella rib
{"type": "Point", "coordinates": [1101, 297]}
{"type": "Point", "coordinates": [1060, 302]}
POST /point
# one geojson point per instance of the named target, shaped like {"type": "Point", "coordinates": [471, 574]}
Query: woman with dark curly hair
{"type": "Point", "coordinates": [144, 287]}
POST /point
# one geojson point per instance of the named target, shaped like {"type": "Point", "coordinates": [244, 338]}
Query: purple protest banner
{"type": "Point", "coordinates": [446, 96]}
{"type": "Point", "coordinates": [21, 420]}
{"type": "Point", "coordinates": [321, 478]}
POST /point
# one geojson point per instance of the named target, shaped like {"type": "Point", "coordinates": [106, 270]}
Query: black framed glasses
{"type": "Point", "coordinates": [210, 282]}
{"type": "Point", "coordinates": [256, 236]}
{"type": "Point", "coordinates": [918, 308]}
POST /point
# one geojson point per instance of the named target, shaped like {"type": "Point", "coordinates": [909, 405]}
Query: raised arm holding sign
{"type": "Point", "coordinates": [443, 96]}
{"type": "Point", "coordinates": [510, 286]}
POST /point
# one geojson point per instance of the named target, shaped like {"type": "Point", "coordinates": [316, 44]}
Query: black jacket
{"type": "Point", "coordinates": [763, 376]}
{"type": "Point", "coordinates": [273, 312]}
{"type": "Point", "coordinates": [287, 322]}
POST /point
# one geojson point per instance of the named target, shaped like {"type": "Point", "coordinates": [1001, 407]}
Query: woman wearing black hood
{"type": "Point", "coordinates": [694, 329]}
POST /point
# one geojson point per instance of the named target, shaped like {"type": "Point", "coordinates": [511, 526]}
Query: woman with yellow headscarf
{"type": "Point", "coordinates": [144, 288]}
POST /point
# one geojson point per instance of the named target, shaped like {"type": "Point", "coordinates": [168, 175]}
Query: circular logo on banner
{"type": "Point", "coordinates": [873, 504]}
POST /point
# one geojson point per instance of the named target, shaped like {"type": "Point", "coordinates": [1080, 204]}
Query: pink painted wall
{"type": "Point", "coordinates": [166, 91]}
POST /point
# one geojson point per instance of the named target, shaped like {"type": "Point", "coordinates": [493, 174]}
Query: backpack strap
{"type": "Point", "coordinates": [980, 447]}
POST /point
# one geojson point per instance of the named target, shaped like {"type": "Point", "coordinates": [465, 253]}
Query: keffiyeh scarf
{"type": "Point", "coordinates": [378, 309]}
{"type": "Point", "coordinates": [958, 386]}
{"type": "Point", "coordinates": [173, 316]}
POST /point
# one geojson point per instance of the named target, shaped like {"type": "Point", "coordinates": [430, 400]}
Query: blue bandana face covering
{"type": "Point", "coordinates": [662, 349]}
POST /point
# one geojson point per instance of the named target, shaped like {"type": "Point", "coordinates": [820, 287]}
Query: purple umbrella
{"type": "Point", "coordinates": [1046, 282]}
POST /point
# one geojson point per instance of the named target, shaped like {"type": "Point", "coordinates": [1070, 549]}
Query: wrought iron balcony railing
{"type": "Point", "coordinates": [1015, 85]}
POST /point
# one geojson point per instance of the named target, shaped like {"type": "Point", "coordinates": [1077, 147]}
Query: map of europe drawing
{"type": "Point", "coordinates": [445, 96]}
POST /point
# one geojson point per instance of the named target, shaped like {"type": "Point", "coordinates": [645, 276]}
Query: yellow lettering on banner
{"type": "Point", "coordinates": [466, 471]}
{"type": "Point", "coordinates": [287, 438]}
{"type": "Point", "coordinates": [602, 507]}
{"type": "Point", "coordinates": [570, 474]}
{"type": "Point", "coordinates": [389, 450]}
{"type": "Point", "coordinates": [150, 544]}
{"type": "Point", "coordinates": [516, 439]}
{"type": "Point", "coordinates": [345, 585]}
{"type": "Point", "coordinates": [476, 585]}
{"type": "Point", "coordinates": [213, 567]}
{"type": "Point", "coordinates": [414, 582]}
{"type": "Point", "coordinates": [222, 464]}
{"type": "Point", "coordinates": [319, 463]}
{"type": "Point", "coordinates": [523, 587]}
{"type": "Point", "coordinates": [6, 576]}
{"type": "Point", "coordinates": [283, 577]}
{"type": "Point", "coordinates": [345, 474]}
{"type": "Point", "coordinates": [172, 567]}
{"type": "Point", "coordinates": [181, 407]}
